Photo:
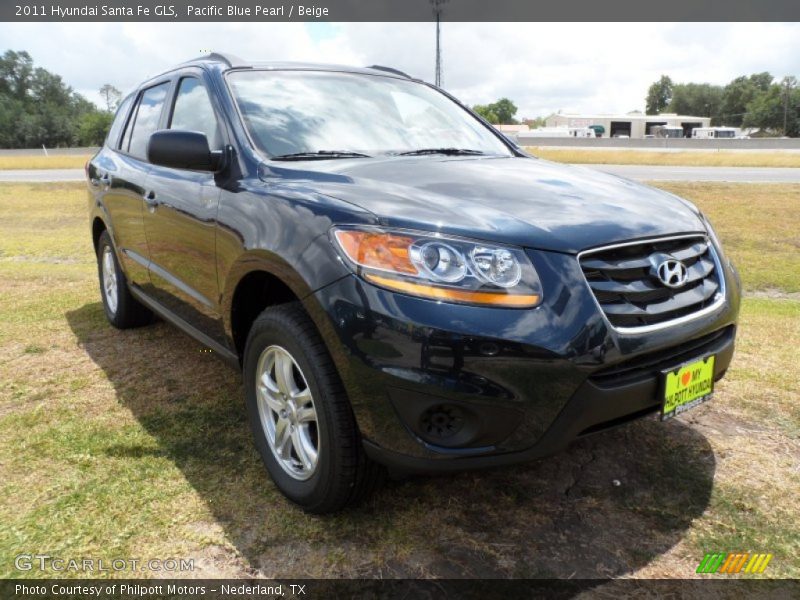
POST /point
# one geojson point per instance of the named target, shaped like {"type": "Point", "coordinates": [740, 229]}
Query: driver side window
{"type": "Point", "coordinates": [193, 111]}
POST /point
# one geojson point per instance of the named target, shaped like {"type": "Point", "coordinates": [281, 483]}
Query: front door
{"type": "Point", "coordinates": [180, 220]}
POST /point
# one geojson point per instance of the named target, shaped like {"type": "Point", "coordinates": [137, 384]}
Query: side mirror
{"type": "Point", "coordinates": [182, 150]}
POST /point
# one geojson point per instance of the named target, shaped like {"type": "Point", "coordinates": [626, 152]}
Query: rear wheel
{"type": "Point", "coordinates": [122, 309]}
{"type": "Point", "coordinates": [300, 416]}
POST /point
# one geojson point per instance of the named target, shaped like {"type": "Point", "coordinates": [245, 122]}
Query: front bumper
{"type": "Point", "coordinates": [439, 386]}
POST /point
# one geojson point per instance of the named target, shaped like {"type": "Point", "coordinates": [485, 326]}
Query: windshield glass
{"type": "Point", "coordinates": [290, 112]}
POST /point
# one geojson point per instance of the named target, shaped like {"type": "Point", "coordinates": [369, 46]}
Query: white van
{"type": "Point", "coordinates": [713, 133]}
{"type": "Point", "coordinates": [667, 131]}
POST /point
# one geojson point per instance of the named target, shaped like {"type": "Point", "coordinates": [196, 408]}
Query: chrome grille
{"type": "Point", "coordinates": [624, 281]}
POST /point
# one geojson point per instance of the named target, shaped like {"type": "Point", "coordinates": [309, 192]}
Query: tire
{"type": "Point", "coordinates": [123, 311]}
{"type": "Point", "coordinates": [331, 470]}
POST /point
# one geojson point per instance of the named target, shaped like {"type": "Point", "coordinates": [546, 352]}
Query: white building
{"type": "Point", "coordinates": [633, 125]}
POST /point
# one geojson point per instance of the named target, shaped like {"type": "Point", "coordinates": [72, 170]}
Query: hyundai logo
{"type": "Point", "coordinates": [671, 272]}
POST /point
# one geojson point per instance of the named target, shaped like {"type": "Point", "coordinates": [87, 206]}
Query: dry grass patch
{"type": "Point", "coordinates": [759, 225]}
{"type": "Point", "coordinates": [603, 156]}
{"type": "Point", "coordinates": [60, 161]}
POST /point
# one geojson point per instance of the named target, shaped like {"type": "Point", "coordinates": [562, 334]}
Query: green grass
{"type": "Point", "coordinates": [134, 444]}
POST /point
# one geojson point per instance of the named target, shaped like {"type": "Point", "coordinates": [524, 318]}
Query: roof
{"type": "Point", "coordinates": [229, 61]}
{"type": "Point", "coordinates": [626, 117]}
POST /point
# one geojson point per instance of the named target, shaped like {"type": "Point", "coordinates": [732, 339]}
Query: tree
{"type": "Point", "coordinates": [486, 112]}
{"type": "Point", "coordinates": [505, 110]}
{"type": "Point", "coordinates": [502, 111]}
{"type": "Point", "coordinates": [778, 105]}
{"type": "Point", "coordinates": [659, 95]}
{"type": "Point", "coordinates": [93, 128]}
{"type": "Point", "coordinates": [15, 73]}
{"type": "Point", "coordinates": [738, 94]}
{"type": "Point", "coordinates": [37, 107]}
{"type": "Point", "coordinates": [697, 99]}
{"type": "Point", "coordinates": [111, 96]}
{"type": "Point", "coordinates": [535, 123]}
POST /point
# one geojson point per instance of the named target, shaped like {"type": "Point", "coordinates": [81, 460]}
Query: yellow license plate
{"type": "Point", "coordinates": [687, 386]}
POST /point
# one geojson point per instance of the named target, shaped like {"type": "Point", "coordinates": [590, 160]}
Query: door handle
{"type": "Point", "coordinates": [150, 200]}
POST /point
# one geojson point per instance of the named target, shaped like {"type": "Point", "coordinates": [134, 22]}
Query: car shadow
{"type": "Point", "coordinates": [605, 507]}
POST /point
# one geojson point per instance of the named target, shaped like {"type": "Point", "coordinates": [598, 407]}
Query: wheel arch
{"type": "Point", "coordinates": [98, 227]}
{"type": "Point", "coordinates": [258, 280]}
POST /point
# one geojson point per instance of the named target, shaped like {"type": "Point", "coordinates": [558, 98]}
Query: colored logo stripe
{"type": "Point", "coordinates": [734, 563]}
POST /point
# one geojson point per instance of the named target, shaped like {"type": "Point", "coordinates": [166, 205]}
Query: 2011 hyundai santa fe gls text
{"type": "Point", "coordinates": [400, 284]}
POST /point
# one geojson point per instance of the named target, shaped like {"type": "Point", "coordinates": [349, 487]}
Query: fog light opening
{"type": "Point", "coordinates": [442, 421]}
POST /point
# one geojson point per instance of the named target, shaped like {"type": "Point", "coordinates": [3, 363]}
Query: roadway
{"type": "Point", "coordinates": [730, 174]}
{"type": "Point", "coordinates": [638, 172]}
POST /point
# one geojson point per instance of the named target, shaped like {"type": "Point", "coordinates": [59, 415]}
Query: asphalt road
{"type": "Point", "coordinates": [731, 174]}
{"type": "Point", "coordinates": [639, 172]}
{"type": "Point", "coordinates": [41, 175]}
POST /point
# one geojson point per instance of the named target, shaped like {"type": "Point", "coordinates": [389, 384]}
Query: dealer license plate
{"type": "Point", "coordinates": [687, 386]}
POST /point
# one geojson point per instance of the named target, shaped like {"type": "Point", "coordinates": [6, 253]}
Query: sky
{"type": "Point", "coordinates": [543, 67]}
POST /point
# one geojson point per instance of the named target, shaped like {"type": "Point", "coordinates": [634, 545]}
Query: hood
{"type": "Point", "coordinates": [516, 200]}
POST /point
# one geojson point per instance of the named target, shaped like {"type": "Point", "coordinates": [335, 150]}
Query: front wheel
{"type": "Point", "coordinates": [300, 416]}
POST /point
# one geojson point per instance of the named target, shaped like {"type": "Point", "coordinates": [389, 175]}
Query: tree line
{"type": "Point", "coordinates": [757, 101]}
{"type": "Point", "coordinates": [37, 108]}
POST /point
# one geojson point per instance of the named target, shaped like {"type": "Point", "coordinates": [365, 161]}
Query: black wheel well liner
{"type": "Point", "coordinates": [98, 227]}
{"type": "Point", "coordinates": [256, 291]}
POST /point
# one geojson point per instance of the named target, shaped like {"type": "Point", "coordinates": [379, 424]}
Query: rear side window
{"type": "Point", "coordinates": [193, 111]}
{"type": "Point", "coordinates": [144, 120]}
{"type": "Point", "coordinates": [119, 122]}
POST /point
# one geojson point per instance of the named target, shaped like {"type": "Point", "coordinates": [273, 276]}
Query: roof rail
{"type": "Point", "coordinates": [390, 70]}
{"type": "Point", "coordinates": [229, 59]}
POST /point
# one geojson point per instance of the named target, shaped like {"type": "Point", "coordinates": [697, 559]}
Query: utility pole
{"type": "Point", "coordinates": [788, 86]}
{"type": "Point", "coordinates": [437, 11]}
{"type": "Point", "coordinates": [786, 89]}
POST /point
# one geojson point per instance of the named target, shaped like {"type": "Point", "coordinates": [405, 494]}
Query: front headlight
{"type": "Point", "coordinates": [440, 267]}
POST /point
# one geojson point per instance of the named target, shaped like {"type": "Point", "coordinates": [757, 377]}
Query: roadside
{"type": "Point", "coordinates": [695, 158]}
{"type": "Point", "coordinates": [43, 175]}
{"type": "Point", "coordinates": [30, 162]}
{"type": "Point", "coordinates": [638, 172]}
{"type": "Point", "coordinates": [76, 158]}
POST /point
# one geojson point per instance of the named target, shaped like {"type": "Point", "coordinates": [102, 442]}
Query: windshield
{"type": "Point", "coordinates": [293, 112]}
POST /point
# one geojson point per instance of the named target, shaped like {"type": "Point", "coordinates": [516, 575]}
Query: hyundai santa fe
{"type": "Point", "coordinates": [400, 284]}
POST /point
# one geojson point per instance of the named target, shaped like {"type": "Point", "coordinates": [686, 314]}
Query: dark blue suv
{"type": "Point", "coordinates": [400, 284]}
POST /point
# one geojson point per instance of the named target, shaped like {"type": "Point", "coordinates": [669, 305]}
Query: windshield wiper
{"type": "Point", "coordinates": [446, 151]}
{"type": "Point", "coordinates": [321, 154]}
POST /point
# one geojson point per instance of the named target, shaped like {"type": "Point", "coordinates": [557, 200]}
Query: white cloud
{"type": "Point", "coordinates": [543, 67]}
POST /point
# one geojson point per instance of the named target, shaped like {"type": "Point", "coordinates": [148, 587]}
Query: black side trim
{"type": "Point", "coordinates": [188, 329]}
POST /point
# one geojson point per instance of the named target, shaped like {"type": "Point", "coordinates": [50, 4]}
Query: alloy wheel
{"type": "Point", "coordinates": [109, 278]}
{"type": "Point", "coordinates": [287, 413]}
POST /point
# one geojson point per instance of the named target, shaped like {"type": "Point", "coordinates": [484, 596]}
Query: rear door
{"type": "Point", "coordinates": [122, 174]}
{"type": "Point", "coordinates": [125, 204]}
{"type": "Point", "coordinates": [181, 216]}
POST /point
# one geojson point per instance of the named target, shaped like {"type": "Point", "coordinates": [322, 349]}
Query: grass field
{"type": "Point", "coordinates": [610, 156]}
{"type": "Point", "coordinates": [64, 161]}
{"type": "Point", "coordinates": [134, 444]}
